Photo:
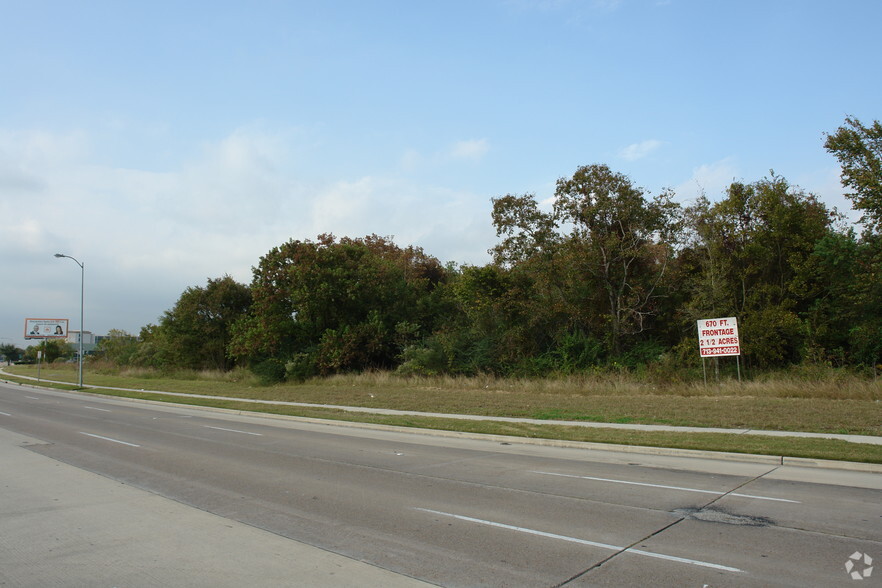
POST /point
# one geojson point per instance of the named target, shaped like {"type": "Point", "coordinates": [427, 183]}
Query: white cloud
{"type": "Point", "coordinates": [640, 150]}
{"type": "Point", "coordinates": [145, 236]}
{"type": "Point", "coordinates": [451, 225]}
{"type": "Point", "coordinates": [709, 179]}
{"type": "Point", "coordinates": [411, 160]}
{"type": "Point", "coordinates": [473, 149]}
{"type": "Point", "coordinates": [826, 184]}
{"type": "Point", "coordinates": [540, 5]}
{"type": "Point", "coordinates": [469, 150]}
{"type": "Point", "coordinates": [607, 5]}
{"type": "Point", "coordinates": [553, 5]}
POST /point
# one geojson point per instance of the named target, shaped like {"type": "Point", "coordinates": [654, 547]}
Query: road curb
{"type": "Point", "coordinates": [510, 439]}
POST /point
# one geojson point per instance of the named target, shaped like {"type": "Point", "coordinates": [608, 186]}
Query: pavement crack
{"type": "Point", "coordinates": [618, 553]}
{"type": "Point", "coordinates": [740, 486]}
{"type": "Point", "coordinates": [680, 512]}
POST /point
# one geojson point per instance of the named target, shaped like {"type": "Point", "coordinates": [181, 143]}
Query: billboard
{"type": "Point", "coordinates": [718, 337]}
{"type": "Point", "coordinates": [45, 328]}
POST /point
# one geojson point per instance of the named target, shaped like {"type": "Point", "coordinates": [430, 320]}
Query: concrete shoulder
{"type": "Point", "coordinates": [63, 526]}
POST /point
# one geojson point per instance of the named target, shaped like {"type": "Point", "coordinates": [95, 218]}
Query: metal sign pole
{"type": "Point", "coordinates": [40, 359]}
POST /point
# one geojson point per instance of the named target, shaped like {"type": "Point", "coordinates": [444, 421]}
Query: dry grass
{"type": "Point", "coordinates": [753, 444]}
{"type": "Point", "coordinates": [823, 401]}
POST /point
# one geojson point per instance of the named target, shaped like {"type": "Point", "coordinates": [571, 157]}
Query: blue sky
{"type": "Point", "coordinates": [165, 143]}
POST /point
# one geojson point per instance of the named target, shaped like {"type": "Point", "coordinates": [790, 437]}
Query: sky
{"type": "Point", "coordinates": [166, 143]}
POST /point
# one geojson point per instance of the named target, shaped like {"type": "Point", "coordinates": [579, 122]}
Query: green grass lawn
{"type": "Point", "coordinates": [828, 405]}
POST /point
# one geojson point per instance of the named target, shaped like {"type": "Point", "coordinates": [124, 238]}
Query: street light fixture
{"type": "Point", "coordinates": [82, 290]}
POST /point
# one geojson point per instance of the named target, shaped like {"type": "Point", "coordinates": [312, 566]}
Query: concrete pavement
{"type": "Point", "coordinates": [63, 526]}
{"type": "Point", "coordinates": [59, 529]}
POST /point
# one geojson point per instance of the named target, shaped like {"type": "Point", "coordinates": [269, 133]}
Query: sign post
{"type": "Point", "coordinates": [719, 338]}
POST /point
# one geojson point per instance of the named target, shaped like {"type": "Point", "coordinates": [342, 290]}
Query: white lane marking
{"type": "Point", "coordinates": [662, 486]}
{"type": "Point", "coordinates": [235, 431]}
{"type": "Point", "coordinates": [5, 414]}
{"type": "Point", "coordinates": [93, 408]}
{"type": "Point", "coordinates": [32, 397]}
{"type": "Point", "coordinates": [109, 439]}
{"type": "Point", "coordinates": [765, 498]}
{"type": "Point", "coordinates": [694, 562]}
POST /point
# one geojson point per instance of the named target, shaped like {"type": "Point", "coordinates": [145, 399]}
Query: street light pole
{"type": "Point", "coordinates": [82, 291]}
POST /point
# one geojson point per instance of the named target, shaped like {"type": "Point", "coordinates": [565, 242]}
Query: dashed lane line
{"type": "Point", "coordinates": [109, 439]}
{"type": "Point", "coordinates": [234, 431]}
{"type": "Point", "coordinates": [664, 487]}
{"type": "Point", "coordinates": [617, 548]}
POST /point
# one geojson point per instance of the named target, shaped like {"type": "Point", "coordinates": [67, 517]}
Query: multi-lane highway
{"type": "Point", "coordinates": [466, 512]}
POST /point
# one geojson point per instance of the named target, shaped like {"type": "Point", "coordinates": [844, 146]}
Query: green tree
{"type": "Point", "coordinates": [52, 349]}
{"type": "Point", "coordinates": [527, 231]}
{"type": "Point", "coordinates": [118, 347]}
{"type": "Point", "coordinates": [859, 151]}
{"type": "Point", "coordinates": [830, 280]}
{"type": "Point", "coordinates": [624, 240]}
{"type": "Point", "coordinates": [196, 332]}
{"type": "Point", "coordinates": [10, 352]}
{"type": "Point", "coordinates": [545, 297]}
{"type": "Point", "coordinates": [597, 266]}
{"type": "Point", "coordinates": [752, 250]}
{"type": "Point", "coordinates": [338, 305]}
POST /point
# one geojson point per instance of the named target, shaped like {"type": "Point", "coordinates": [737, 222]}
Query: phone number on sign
{"type": "Point", "coordinates": [721, 351]}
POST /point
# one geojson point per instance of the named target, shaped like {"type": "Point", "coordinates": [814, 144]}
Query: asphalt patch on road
{"type": "Point", "coordinates": [713, 515]}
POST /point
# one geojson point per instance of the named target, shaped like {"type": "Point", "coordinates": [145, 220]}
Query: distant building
{"type": "Point", "coordinates": [90, 341]}
{"type": "Point", "coordinates": [74, 337]}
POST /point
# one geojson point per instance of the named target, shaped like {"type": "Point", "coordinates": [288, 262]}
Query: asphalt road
{"type": "Point", "coordinates": [464, 512]}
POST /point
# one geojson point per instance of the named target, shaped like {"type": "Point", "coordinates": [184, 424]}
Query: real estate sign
{"type": "Point", "coordinates": [718, 337]}
{"type": "Point", "coordinates": [45, 328]}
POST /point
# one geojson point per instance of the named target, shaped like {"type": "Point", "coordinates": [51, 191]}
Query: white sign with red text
{"type": "Point", "coordinates": [718, 337]}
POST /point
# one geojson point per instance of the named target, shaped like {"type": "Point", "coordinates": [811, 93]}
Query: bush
{"type": "Point", "coordinates": [422, 361]}
{"type": "Point", "coordinates": [642, 354]}
{"type": "Point", "coordinates": [364, 346]}
{"type": "Point", "coordinates": [301, 367]}
{"type": "Point", "coordinates": [270, 371]}
{"type": "Point", "coordinates": [578, 351]}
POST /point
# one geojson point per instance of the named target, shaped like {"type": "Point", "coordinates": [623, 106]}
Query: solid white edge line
{"type": "Point", "coordinates": [234, 431]}
{"type": "Point", "coordinates": [109, 439]}
{"type": "Point", "coordinates": [662, 486]}
{"type": "Point", "coordinates": [694, 562]}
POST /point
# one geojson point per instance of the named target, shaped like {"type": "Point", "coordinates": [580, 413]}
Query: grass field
{"type": "Point", "coordinates": [823, 401]}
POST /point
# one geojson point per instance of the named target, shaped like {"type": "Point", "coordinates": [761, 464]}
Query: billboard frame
{"type": "Point", "coordinates": [43, 328]}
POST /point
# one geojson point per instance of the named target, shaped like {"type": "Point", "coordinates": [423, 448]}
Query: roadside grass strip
{"type": "Point", "coordinates": [350, 406]}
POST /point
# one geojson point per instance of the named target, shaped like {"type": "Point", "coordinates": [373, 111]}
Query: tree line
{"type": "Point", "coordinates": [611, 277]}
